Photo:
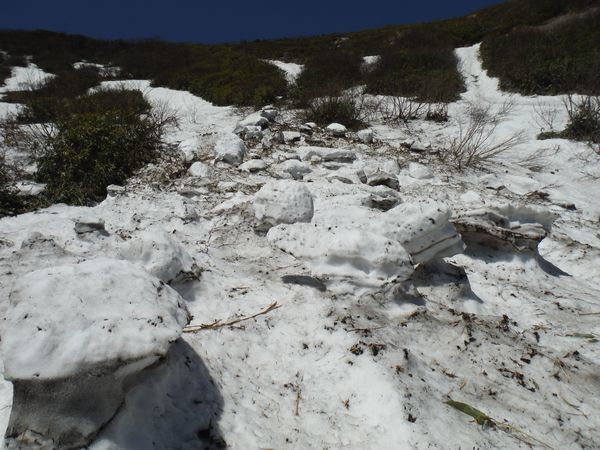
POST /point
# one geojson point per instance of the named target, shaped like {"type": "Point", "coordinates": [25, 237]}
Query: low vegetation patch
{"type": "Point", "coordinates": [420, 65]}
{"type": "Point", "coordinates": [217, 73]}
{"type": "Point", "coordinates": [584, 120]}
{"type": "Point", "coordinates": [9, 201]}
{"type": "Point", "coordinates": [327, 74]}
{"type": "Point", "coordinates": [342, 109]}
{"type": "Point", "coordinates": [93, 141]}
{"type": "Point", "coordinates": [558, 57]}
{"type": "Point", "coordinates": [54, 98]}
{"type": "Point", "coordinates": [476, 143]}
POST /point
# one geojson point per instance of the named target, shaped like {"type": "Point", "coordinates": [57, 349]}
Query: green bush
{"type": "Point", "coordinates": [556, 58]}
{"type": "Point", "coordinates": [218, 73]}
{"type": "Point", "coordinates": [584, 120]}
{"type": "Point", "coordinates": [9, 201]}
{"type": "Point", "coordinates": [420, 65]}
{"type": "Point", "coordinates": [326, 110]}
{"type": "Point", "coordinates": [327, 74]}
{"type": "Point", "coordinates": [95, 144]}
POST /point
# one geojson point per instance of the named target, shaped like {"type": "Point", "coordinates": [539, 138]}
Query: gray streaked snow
{"type": "Point", "coordinates": [500, 329]}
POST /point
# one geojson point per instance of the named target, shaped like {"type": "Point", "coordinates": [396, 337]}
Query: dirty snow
{"type": "Point", "coordinates": [510, 331]}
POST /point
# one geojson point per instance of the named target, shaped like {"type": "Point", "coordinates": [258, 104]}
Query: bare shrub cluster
{"type": "Point", "coordinates": [477, 143]}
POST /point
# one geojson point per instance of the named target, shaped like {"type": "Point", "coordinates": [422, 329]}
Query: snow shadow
{"type": "Point", "coordinates": [176, 404]}
{"type": "Point", "coordinates": [439, 273]}
{"type": "Point", "coordinates": [491, 254]}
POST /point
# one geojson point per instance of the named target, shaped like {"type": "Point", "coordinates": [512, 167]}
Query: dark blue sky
{"type": "Point", "coordinates": [223, 20]}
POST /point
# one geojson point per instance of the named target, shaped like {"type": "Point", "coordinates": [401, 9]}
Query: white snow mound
{"type": "Point", "coordinates": [283, 201]}
{"type": "Point", "coordinates": [336, 129]}
{"type": "Point", "coordinates": [157, 252]}
{"type": "Point", "coordinates": [423, 228]}
{"type": "Point", "coordinates": [230, 149]}
{"type": "Point", "coordinates": [66, 320]}
{"type": "Point", "coordinates": [326, 154]}
{"type": "Point", "coordinates": [200, 170]}
{"type": "Point", "coordinates": [359, 257]}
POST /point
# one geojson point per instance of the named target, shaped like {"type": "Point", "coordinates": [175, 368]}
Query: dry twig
{"type": "Point", "coordinates": [219, 324]}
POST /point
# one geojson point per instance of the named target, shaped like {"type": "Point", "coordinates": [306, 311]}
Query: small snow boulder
{"type": "Point", "coordinates": [200, 170]}
{"type": "Point", "coordinates": [308, 153]}
{"type": "Point", "coordinates": [74, 338]}
{"type": "Point", "coordinates": [253, 120]}
{"type": "Point", "coordinates": [230, 149]}
{"type": "Point", "coordinates": [90, 225]}
{"type": "Point", "coordinates": [348, 255]}
{"type": "Point", "coordinates": [380, 178]}
{"type": "Point", "coordinates": [291, 136]}
{"type": "Point", "coordinates": [158, 252]}
{"type": "Point", "coordinates": [252, 132]}
{"type": "Point", "coordinates": [336, 129]}
{"type": "Point", "coordinates": [270, 113]}
{"type": "Point", "coordinates": [423, 228]}
{"type": "Point", "coordinates": [295, 168]}
{"type": "Point", "coordinates": [419, 171]}
{"type": "Point", "coordinates": [365, 136]}
{"type": "Point", "coordinates": [283, 201]}
{"type": "Point", "coordinates": [253, 165]}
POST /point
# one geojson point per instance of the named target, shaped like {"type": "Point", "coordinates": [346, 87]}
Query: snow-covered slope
{"type": "Point", "coordinates": [286, 360]}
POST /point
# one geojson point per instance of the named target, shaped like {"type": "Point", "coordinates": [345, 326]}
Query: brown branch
{"type": "Point", "coordinates": [219, 324]}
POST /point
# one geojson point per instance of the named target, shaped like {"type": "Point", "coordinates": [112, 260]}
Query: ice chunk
{"type": "Point", "coordinates": [283, 201]}
{"type": "Point", "coordinates": [336, 129]}
{"type": "Point", "coordinates": [74, 337]}
{"type": "Point", "coordinates": [351, 255]}
{"type": "Point", "coordinates": [157, 252]}
{"type": "Point", "coordinates": [230, 149]}
{"type": "Point", "coordinates": [423, 228]}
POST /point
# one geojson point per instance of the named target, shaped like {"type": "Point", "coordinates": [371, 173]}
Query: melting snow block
{"type": "Point", "coordinates": [326, 154]}
{"type": "Point", "coordinates": [295, 168]}
{"type": "Point", "coordinates": [365, 136]}
{"type": "Point", "coordinates": [160, 255]}
{"type": "Point", "coordinates": [253, 120]}
{"type": "Point", "coordinates": [230, 149]}
{"type": "Point", "coordinates": [520, 227]}
{"type": "Point", "coordinates": [75, 337]}
{"type": "Point", "coordinates": [253, 165]}
{"type": "Point", "coordinates": [336, 129]}
{"type": "Point", "coordinates": [200, 170]}
{"type": "Point", "coordinates": [419, 171]}
{"type": "Point", "coordinates": [283, 201]}
{"type": "Point", "coordinates": [354, 256]}
{"type": "Point", "coordinates": [424, 229]}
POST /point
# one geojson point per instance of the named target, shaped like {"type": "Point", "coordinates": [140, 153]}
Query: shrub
{"type": "Point", "coordinates": [420, 65]}
{"type": "Point", "coordinates": [10, 203]}
{"type": "Point", "coordinates": [47, 102]}
{"type": "Point", "coordinates": [95, 144]}
{"type": "Point", "coordinates": [402, 109]}
{"type": "Point", "coordinates": [343, 109]}
{"type": "Point", "coordinates": [327, 74]}
{"type": "Point", "coordinates": [584, 119]}
{"type": "Point", "coordinates": [437, 112]}
{"type": "Point", "coordinates": [476, 144]}
{"type": "Point", "coordinates": [559, 57]}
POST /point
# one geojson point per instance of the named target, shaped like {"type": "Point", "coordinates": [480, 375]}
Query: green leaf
{"type": "Point", "coordinates": [480, 417]}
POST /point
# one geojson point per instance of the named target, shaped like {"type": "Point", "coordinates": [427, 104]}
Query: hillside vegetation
{"type": "Point", "coordinates": [534, 46]}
